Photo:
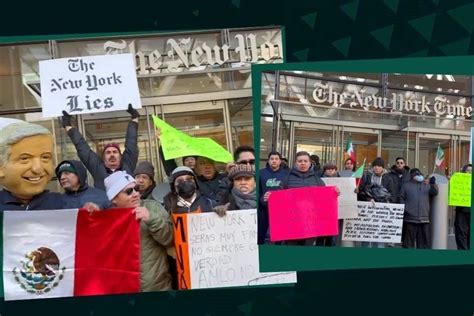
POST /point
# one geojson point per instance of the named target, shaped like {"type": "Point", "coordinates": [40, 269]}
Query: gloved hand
{"type": "Point", "coordinates": [221, 210]}
{"type": "Point", "coordinates": [432, 180]}
{"type": "Point", "coordinates": [134, 113]}
{"type": "Point", "coordinates": [66, 119]}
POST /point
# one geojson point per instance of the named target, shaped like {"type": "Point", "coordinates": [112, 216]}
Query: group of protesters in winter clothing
{"type": "Point", "coordinates": [399, 184]}
{"type": "Point", "coordinates": [119, 182]}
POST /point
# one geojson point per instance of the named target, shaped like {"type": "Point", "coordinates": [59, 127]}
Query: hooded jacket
{"type": "Point", "coordinates": [156, 235]}
{"type": "Point", "coordinates": [399, 178]}
{"type": "Point", "coordinates": [271, 181]}
{"type": "Point", "coordinates": [365, 187]}
{"type": "Point", "coordinates": [298, 179]}
{"type": "Point", "coordinates": [416, 196]}
{"type": "Point", "coordinates": [94, 162]}
{"type": "Point", "coordinates": [85, 193]}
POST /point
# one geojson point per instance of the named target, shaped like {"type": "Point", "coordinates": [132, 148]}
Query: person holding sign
{"type": "Point", "coordinates": [156, 230]}
{"type": "Point", "coordinates": [112, 158]}
{"type": "Point", "coordinates": [416, 195]}
{"type": "Point", "coordinates": [302, 175]}
{"type": "Point", "coordinates": [462, 221]}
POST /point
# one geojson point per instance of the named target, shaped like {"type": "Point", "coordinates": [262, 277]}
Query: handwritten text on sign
{"type": "Point", "coordinates": [460, 189]}
{"type": "Point", "coordinates": [347, 201]}
{"type": "Point", "coordinates": [379, 222]}
{"type": "Point", "coordinates": [223, 251]}
{"type": "Point", "coordinates": [80, 85]}
{"type": "Point", "coordinates": [303, 213]}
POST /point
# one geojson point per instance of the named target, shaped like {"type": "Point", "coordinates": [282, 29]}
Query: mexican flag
{"type": "Point", "coordinates": [350, 149]}
{"type": "Point", "coordinates": [358, 173]}
{"type": "Point", "coordinates": [62, 253]}
{"type": "Point", "coordinates": [439, 161]}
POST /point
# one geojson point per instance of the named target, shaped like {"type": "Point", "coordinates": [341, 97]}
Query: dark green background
{"type": "Point", "coordinates": [314, 30]}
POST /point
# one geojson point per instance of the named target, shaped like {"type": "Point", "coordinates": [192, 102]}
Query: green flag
{"type": "Point", "coordinates": [177, 144]}
{"type": "Point", "coordinates": [358, 173]}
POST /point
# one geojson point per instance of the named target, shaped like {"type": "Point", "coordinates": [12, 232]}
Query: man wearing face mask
{"type": "Point", "coordinates": [416, 195]}
{"type": "Point", "coordinates": [185, 196]}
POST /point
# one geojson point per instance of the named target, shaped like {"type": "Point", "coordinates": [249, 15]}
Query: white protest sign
{"type": "Point", "coordinates": [378, 222]}
{"type": "Point", "coordinates": [91, 84]}
{"type": "Point", "coordinates": [223, 251]}
{"type": "Point", "coordinates": [347, 200]}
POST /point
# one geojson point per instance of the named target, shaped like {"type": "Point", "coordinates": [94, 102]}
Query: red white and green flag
{"type": "Point", "coordinates": [350, 149]}
{"type": "Point", "coordinates": [360, 171]}
{"type": "Point", "coordinates": [439, 161]}
{"type": "Point", "coordinates": [61, 253]}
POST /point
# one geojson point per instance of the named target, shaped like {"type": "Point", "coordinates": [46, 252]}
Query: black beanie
{"type": "Point", "coordinates": [378, 162]}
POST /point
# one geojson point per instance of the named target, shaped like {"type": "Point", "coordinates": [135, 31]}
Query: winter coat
{"type": "Point", "coordinates": [271, 181]}
{"type": "Point", "coordinates": [94, 162]}
{"type": "Point", "coordinates": [44, 201]}
{"type": "Point", "coordinates": [156, 235]}
{"type": "Point", "coordinates": [201, 204]}
{"type": "Point", "coordinates": [85, 193]}
{"type": "Point", "coordinates": [399, 178]}
{"type": "Point", "coordinates": [210, 188]}
{"type": "Point", "coordinates": [298, 179]}
{"type": "Point", "coordinates": [416, 197]}
{"type": "Point", "coordinates": [369, 191]}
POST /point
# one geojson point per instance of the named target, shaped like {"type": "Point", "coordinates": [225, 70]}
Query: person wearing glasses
{"type": "Point", "coordinates": [400, 174]}
{"type": "Point", "coordinates": [72, 176]}
{"type": "Point", "coordinates": [156, 230]}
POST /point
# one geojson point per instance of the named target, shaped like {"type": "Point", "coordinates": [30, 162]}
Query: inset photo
{"type": "Point", "coordinates": [365, 160]}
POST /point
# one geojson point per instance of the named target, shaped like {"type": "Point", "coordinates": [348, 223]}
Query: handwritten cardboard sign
{"type": "Point", "coordinates": [378, 222]}
{"type": "Point", "coordinates": [303, 213]}
{"type": "Point", "coordinates": [91, 84]}
{"type": "Point", "coordinates": [213, 251]}
{"type": "Point", "coordinates": [347, 201]}
{"type": "Point", "coordinates": [460, 189]}
{"type": "Point", "coordinates": [178, 144]}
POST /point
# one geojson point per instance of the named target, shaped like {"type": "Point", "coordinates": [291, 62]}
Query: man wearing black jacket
{"type": "Point", "coordinates": [112, 158]}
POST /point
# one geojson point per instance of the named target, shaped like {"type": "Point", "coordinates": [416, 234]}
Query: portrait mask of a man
{"type": "Point", "coordinates": [26, 158]}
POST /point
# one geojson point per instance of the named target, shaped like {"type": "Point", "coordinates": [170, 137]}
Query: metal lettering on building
{"type": "Point", "coordinates": [182, 55]}
{"type": "Point", "coordinates": [325, 94]}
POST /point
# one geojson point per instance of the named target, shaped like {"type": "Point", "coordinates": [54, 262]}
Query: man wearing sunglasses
{"type": "Point", "coordinates": [156, 230]}
{"type": "Point", "coordinates": [400, 174]}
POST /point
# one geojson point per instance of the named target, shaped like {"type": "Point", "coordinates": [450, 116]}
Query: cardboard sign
{"type": "Point", "coordinates": [92, 84]}
{"type": "Point", "coordinates": [303, 213]}
{"type": "Point", "coordinates": [460, 189]}
{"type": "Point", "coordinates": [376, 222]}
{"type": "Point", "coordinates": [213, 251]}
{"type": "Point", "coordinates": [347, 200]}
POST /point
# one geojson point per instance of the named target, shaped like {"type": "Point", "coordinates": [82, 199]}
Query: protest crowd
{"type": "Point", "coordinates": [377, 185]}
{"type": "Point", "coordinates": [120, 181]}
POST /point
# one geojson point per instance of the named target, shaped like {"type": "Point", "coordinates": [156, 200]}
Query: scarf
{"type": "Point", "coordinates": [244, 201]}
{"type": "Point", "coordinates": [183, 203]}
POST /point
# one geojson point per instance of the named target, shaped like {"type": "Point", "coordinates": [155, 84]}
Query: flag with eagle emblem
{"type": "Point", "coordinates": [62, 253]}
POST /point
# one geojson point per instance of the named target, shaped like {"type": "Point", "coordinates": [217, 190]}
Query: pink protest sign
{"type": "Point", "coordinates": [303, 213]}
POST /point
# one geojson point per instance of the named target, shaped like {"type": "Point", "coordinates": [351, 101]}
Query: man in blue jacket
{"type": "Point", "coordinates": [72, 177]}
{"type": "Point", "coordinates": [271, 179]}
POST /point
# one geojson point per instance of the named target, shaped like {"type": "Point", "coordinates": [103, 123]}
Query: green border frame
{"type": "Point", "coordinates": [300, 258]}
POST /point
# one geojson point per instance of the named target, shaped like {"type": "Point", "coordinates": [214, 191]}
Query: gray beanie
{"type": "Point", "coordinates": [145, 167]}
